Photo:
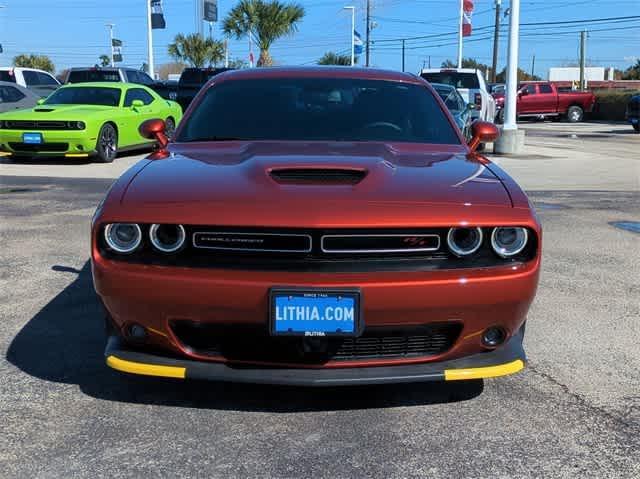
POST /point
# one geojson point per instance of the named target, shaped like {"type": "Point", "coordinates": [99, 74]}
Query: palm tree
{"type": "Point", "coordinates": [331, 58]}
{"type": "Point", "coordinates": [264, 21]}
{"type": "Point", "coordinates": [196, 51]}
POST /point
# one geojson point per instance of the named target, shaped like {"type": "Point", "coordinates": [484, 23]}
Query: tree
{"type": "Point", "coordinates": [196, 51]}
{"type": "Point", "coordinates": [238, 63]}
{"type": "Point", "coordinates": [331, 58]}
{"type": "Point", "coordinates": [105, 60]}
{"type": "Point", "coordinates": [41, 62]}
{"type": "Point", "coordinates": [522, 76]}
{"type": "Point", "coordinates": [466, 63]}
{"type": "Point", "coordinates": [264, 21]}
{"type": "Point", "coordinates": [633, 72]}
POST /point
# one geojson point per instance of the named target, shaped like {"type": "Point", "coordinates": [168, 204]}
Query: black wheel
{"type": "Point", "coordinates": [575, 114]}
{"type": "Point", "coordinates": [637, 127]}
{"type": "Point", "coordinates": [107, 145]}
{"type": "Point", "coordinates": [169, 127]}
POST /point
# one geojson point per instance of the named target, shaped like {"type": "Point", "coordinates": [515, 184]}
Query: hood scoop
{"type": "Point", "coordinates": [322, 176]}
{"type": "Point", "coordinates": [43, 110]}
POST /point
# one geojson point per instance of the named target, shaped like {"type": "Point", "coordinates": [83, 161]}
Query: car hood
{"type": "Point", "coordinates": [233, 183]}
{"type": "Point", "coordinates": [57, 112]}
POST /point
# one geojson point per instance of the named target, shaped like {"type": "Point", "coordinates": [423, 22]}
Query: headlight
{"type": "Point", "coordinates": [508, 242]}
{"type": "Point", "coordinates": [167, 238]}
{"type": "Point", "coordinates": [123, 237]}
{"type": "Point", "coordinates": [464, 241]}
{"type": "Point", "coordinates": [76, 125]}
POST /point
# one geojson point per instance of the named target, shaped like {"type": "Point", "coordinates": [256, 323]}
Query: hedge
{"type": "Point", "coordinates": [611, 105]}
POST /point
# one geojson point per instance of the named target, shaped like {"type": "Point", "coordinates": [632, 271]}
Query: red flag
{"type": "Point", "coordinates": [466, 17]}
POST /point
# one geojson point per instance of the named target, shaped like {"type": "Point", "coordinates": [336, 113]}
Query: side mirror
{"type": "Point", "coordinates": [154, 130]}
{"type": "Point", "coordinates": [137, 104]}
{"type": "Point", "coordinates": [40, 101]}
{"type": "Point", "coordinates": [483, 132]}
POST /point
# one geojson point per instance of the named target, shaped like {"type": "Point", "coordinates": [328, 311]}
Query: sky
{"type": "Point", "coordinates": [73, 32]}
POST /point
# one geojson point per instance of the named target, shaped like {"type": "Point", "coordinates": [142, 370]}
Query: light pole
{"type": "Point", "coordinates": [460, 34]}
{"type": "Point", "coordinates": [150, 65]}
{"type": "Point", "coordinates": [512, 67]}
{"type": "Point", "coordinates": [110, 27]}
{"type": "Point", "coordinates": [353, 29]}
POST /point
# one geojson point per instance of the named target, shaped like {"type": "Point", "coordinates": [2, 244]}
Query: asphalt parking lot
{"type": "Point", "coordinates": [573, 412]}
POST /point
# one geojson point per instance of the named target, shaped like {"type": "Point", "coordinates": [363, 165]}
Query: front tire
{"type": "Point", "coordinates": [575, 114]}
{"type": "Point", "coordinates": [107, 145]}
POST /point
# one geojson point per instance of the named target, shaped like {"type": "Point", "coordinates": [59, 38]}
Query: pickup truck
{"type": "Point", "coordinates": [190, 82]}
{"type": "Point", "coordinates": [543, 100]}
{"type": "Point", "coordinates": [119, 74]}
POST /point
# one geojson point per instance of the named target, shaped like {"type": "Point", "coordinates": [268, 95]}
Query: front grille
{"type": "Point", "coordinates": [377, 243]}
{"type": "Point", "coordinates": [319, 175]}
{"type": "Point", "coordinates": [31, 148]}
{"type": "Point", "coordinates": [253, 242]}
{"type": "Point", "coordinates": [249, 343]}
{"type": "Point", "coordinates": [301, 250]}
{"type": "Point", "coordinates": [35, 125]}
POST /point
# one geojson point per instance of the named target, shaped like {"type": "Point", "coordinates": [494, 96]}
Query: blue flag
{"type": "Point", "coordinates": [358, 45]}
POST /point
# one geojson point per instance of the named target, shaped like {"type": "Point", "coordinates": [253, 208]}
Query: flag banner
{"type": "Point", "coordinates": [210, 11]}
{"type": "Point", "coordinates": [116, 43]}
{"type": "Point", "coordinates": [117, 54]}
{"type": "Point", "coordinates": [157, 17]}
{"type": "Point", "coordinates": [467, 13]}
{"type": "Point", "coordinates": [358, 44]}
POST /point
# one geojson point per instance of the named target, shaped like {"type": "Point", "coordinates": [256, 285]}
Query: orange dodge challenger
{"type": "Point", "coordinates": [316, 226]}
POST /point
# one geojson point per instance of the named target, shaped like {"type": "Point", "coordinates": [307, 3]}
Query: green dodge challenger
{"type": "Point", "coordinates": [89, 119]}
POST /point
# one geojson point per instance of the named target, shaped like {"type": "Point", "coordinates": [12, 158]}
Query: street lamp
{"type": "Point", "coordinates": [353, 28]}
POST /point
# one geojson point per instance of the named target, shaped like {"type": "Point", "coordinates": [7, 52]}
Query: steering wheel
{"type": "Point", "coordinates": [383, 124]}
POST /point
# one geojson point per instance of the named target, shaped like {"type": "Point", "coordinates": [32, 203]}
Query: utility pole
{"type": "Point", "coordinates": [496, 39]}
{"type": "Point", "coordinates": [533, 66]}
{"type": "Point", "coordinates": [583, 59]}
{"type": "Point", "coordinates": [110, 27]}
{"type": "Point", "coordinates": [460, 34]}
{"type": "Point", "coordinates": [403, 54]}
{"type": "Point", "coordinates": [368, 42]}
{"type": "Point", "coordinates": [150, 65]}
{"type": "Point", "coordinates": [226, 53]}
{"type": "Point", "coordinates": [512, 68]}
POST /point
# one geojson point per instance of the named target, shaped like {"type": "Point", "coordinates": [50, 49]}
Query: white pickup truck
{"type": "Point", "coordinates": [470, 84]}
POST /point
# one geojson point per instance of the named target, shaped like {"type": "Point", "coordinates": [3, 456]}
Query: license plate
{"type": "Point", "coordinates": [315, 313]}
{"type": "Point", "coordinates": [32, 138]}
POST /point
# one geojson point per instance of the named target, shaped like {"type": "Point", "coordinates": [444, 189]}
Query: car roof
{"type": "Point", "coordinates": [318, 72]}
{"type": "Point", "coordinates": [456, 70]}
{"type": "Point", "coordinates": [25, 69]}
{"type": "Point", "coordinates": [107, 84]}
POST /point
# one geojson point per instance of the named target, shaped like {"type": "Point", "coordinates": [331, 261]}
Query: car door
{"type": "Point", "coordinates": [527, 102]}
{"type": "Point", "coordinates": [547, 99]}
{"type": "Point", "coordinates": [136, 115]}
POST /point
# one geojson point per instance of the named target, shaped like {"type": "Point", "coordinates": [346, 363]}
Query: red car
{"type": "Point", "coordinates": [316, 226]}
{"type": "Point", "coordinates": [543, 100]}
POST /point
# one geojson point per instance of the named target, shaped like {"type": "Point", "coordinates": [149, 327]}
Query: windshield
{"type": "Point", "coordinates": [322, 109]}
{"type": "Point", "coordinates": [453, 78]}
{"type": "Point", "coordinates": [84, 76]}
{"type": "Point", "coordinates": [450, 97]}
{"type": "Point", "coordinates": [85, 96]}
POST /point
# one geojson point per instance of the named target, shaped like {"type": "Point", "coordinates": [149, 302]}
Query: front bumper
{"type": "Point", "coordinates": [79, 143]}
{"type": "Point", "coordinates": [508, 359]}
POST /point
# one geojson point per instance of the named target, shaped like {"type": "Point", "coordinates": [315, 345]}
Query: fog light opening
{"type": "Point", "coordinates": [493, 337]}
{"type": "Point", "coordinates": [137, 332]}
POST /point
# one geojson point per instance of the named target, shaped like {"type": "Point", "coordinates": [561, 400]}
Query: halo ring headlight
{"type": "Point", "coordinates": [464, 241]}
{"type": "Point", "coordinates": [167, 238]}
{"type": "Point", "coordinates": [509, 241]}
{"type": "Point", "coordinates": [123, 238]}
